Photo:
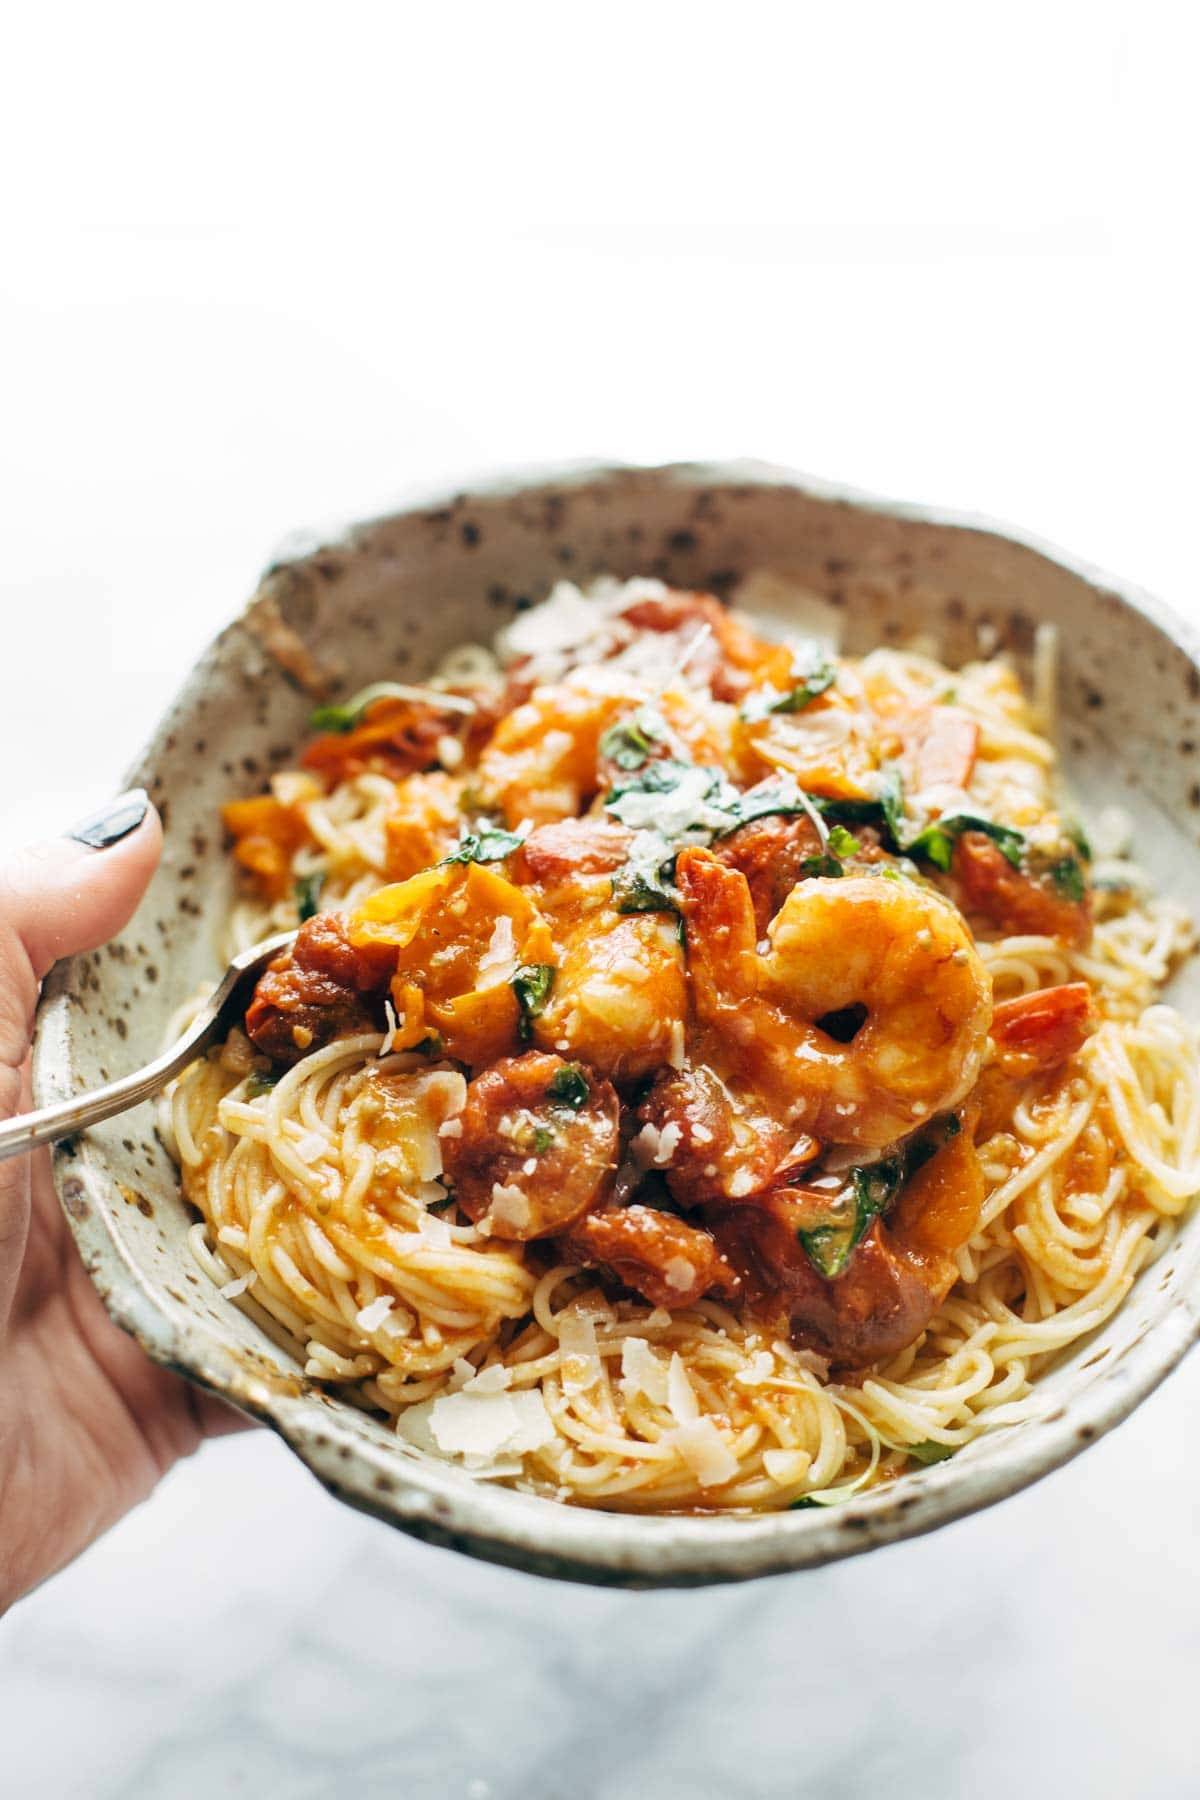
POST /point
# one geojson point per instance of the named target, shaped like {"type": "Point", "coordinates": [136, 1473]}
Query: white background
{"type": "Point", "coordinates": [262, 267]}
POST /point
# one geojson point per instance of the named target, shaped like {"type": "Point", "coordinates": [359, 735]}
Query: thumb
{"type": "Point", "coordinates": [72, 893]}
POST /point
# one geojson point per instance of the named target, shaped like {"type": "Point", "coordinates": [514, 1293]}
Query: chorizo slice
{"type": "Point", "coordinates": [320, 989]}
{"type": "Point", "coordinates": [896, 1278]}
{"type": "Point", "coordinates": [770, 852]}
{"type": "Point", "coordinates": [712, 1143]}
{"type": "Point", "coordinates": [539, 1144]}
{"type": "Point", "coordinates": [670, 1263]}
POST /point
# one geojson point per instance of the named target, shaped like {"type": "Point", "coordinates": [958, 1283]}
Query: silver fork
{"type": "Point", "coordinates": [224, 1007]}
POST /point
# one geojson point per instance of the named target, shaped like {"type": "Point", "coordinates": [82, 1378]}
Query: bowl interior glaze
{"type": "Point", "coordinates": [388, 598]}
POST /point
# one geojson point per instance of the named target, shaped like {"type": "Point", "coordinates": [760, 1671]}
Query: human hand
{"type": "Point", "coordinates": [88, 1424]}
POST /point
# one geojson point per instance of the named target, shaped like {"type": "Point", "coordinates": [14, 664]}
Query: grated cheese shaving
{"type": "Point", "coordinates": [642, 1372]}
{"type": "Point", "coordinates": [578, 1352]}
{"type": "Point", "coordinates": [704, 1451]}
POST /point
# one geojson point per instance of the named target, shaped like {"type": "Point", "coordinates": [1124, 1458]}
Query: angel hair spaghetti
{"type": "Point", "coordinates": [710, 1072]}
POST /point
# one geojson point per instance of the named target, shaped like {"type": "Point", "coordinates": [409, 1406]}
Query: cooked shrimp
{"type": "Point", "coordinates": [538, 1146]}
{"type": "Point", "coordinates": [887, 963]}
{"type": "Point", "coordinates": [619, 998]}
{"type": "Point", "coordinates": [898, 1275]}
{"type": "Point", "coordinates": [938, 746]}
{"type": "Point", "coordinates": [541, 762]}
{"type": "Point", "coordinates": [1039, 1031]}
{"type": "Point", "coordinates": [544, 761]}
{"type": "Point", "coordinates": [671, 1263]}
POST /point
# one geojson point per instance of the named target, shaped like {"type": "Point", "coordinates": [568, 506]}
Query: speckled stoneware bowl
{"type": "Point", "coordinates": [388, 598]}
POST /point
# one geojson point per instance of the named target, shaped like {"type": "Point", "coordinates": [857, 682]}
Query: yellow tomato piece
{"type": "Point", "coordinates": [826, 746]}
{"type": "Point", "coordinates": [460, 933]}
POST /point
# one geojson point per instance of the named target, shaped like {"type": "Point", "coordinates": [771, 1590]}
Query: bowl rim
{"type": "Point", "coordinates": [525, 1531]}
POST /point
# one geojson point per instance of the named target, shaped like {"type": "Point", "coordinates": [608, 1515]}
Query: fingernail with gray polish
{"type": "Point", "coordinates": [113, 822]}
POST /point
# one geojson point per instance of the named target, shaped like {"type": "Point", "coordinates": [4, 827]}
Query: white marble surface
{"type": "Point", "coordinates": [268, 272]}
{"type": "Point", "coordinates": [243, 1634]}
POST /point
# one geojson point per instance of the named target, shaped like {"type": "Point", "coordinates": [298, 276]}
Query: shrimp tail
{"type": "Point", "coordinates": [723, 962]}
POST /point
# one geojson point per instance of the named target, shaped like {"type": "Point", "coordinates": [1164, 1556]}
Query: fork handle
{"type": "Point", "coordinates": [30, 1130]}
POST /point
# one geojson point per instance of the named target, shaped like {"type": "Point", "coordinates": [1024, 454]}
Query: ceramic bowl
{"type": "Point", "coordinates": [389, 597]}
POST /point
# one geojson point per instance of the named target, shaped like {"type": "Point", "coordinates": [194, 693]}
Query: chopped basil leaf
{"type": "Point", "coordinates": [483, 846]}
{"type": "Point", "coordinates": [891, 802]}
{"type": "Point", "coordinates": [569, 1084]}
{"type": "Point", "coordinates": [826, 1497]}
{"type": "Point", "coordinates": [1075, 834]}
{"type": "Point", "coordinates": [630, 743]}
{"type": "Point", "coordinates": [771, 799]}
{"type": "Point", "coordinates": [641, 890]}
{"type": "Point", "coordinates": [261, 1082]}
{"type": "Point", "coordinates": [531, 984]}
{"type": "Point", "coordinates": [542, 1140]}
{"type": "Point", "coordinates": [308, 894]}
{"type": "Point", "coordinates": [842, 843]}
{"type": "Point", "coordinates": [937, 841]}
{"type": "Point", "coordinates": [930, 1451]}
{"type": "Point", "coordinates": [346, 716]}
{"type": "Point", "coordinates": [875, 1186]}
{"type": "Point", "coordinates": [1067, 877]}
{"type": "Point", "coordinates": [820, 675]}
{"type": "Point", "coordinates": [431, 1045]}
{"type": "Point", "coordinates": [661, 777]}
{"type": "Point", "coordinates": [822, 865]}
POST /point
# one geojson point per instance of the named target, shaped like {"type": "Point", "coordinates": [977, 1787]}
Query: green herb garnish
{"type": "Point", "coordinates": [930, 1451]}
{"type": "Point", "coordinates": [630, 743]}
{"type": "Point", "coordinates": [841, 844]}
{"type": "Point", "coordinates": [569, 1084]}
{"type": "Point", "coordinates": [261, 1082]}
{"type": "Point", "coordinates": [937, 841]}
{"type": "Point", "coordinates": [814, 680]}
{"type": "Point", "coordinates": [1067, 878]}
{"type": "Point", "coordinates": [307, 893]}
{"type": "Point", "coordinates": [642, 890]}
{"type": "Point", "coordinates": [826, 1497]}
{"type": "Point", "coordinates": [874, 1187]}
{"type": "Point", "coordinates": [542, 1140]}
{"type": "Point", "coordinates": [771, 799]}
{"type": "Point", "coordinates": [483, 847]}
{"type": "Point", "coordinates": [1075, 834]}
{"type": "Point", "coordinates": [531, 984]}
{"type": "Point", "coordinates": [350, 713]}
{"type": "Point", "coordinates": [661, 777]}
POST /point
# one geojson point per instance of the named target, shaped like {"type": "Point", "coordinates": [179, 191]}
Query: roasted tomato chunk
{"type": "Point", "coordinates": [1014, 901]}
{"type": "Point", "coordinates": [539, 1145]}
{"type": "Point", "coordinates": [320, 989]}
